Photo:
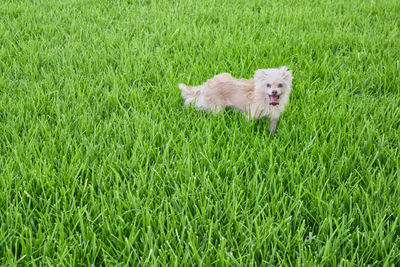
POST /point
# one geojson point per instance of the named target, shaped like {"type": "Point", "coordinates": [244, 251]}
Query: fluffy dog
{"type": "Point", "coordinates": [266, 95]}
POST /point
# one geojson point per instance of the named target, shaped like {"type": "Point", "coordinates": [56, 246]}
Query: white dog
{"type": "Point", "coordinates": [264, 96]}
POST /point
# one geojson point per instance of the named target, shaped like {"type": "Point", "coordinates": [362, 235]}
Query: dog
{"type": "Point", "coordinates": [266, 95]}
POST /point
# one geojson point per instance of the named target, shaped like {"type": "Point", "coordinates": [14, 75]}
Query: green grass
{"type": "Point", "coordinates": [101, 164]}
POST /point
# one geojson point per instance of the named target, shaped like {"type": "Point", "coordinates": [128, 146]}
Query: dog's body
{"type": "Point", "coordinates": [264, 96]}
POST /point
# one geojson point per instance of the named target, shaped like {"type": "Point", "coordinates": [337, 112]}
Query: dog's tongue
{"type": "Point", "coordinates": [273, 100]}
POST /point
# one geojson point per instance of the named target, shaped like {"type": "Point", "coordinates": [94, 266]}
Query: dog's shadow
{"type": "Point", "coordinates": [257, 127]}
{"type": "Point", "coordinates": [261, 127]}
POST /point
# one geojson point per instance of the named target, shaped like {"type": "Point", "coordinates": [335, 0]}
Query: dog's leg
{"type": "Point", "coordinates": [217, 109]}
{"type": "Point", "coordinates": [273, 124]}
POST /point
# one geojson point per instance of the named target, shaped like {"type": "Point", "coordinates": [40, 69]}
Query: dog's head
{"type": "Point", "coordinates": [274, 82]}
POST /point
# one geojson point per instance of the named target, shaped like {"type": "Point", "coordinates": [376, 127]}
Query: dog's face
{"type": "Point", "coordinates": [274, 82]}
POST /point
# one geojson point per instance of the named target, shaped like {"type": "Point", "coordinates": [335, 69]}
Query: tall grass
{"type": "Point", "coordinates": [101, 164]}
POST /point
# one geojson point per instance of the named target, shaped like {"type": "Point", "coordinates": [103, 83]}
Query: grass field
{"type": "Point", "coordinates": [101, 164]}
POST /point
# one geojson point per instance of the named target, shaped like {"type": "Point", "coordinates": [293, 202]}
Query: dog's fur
{"type": "Point", "coordinates": [264, 96]}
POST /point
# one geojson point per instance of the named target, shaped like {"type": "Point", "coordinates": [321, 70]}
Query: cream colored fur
{"type": "Point", "coordinates": [249, 96]}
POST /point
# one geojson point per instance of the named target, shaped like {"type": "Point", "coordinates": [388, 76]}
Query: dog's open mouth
{"type": "Point", "coordinates": [274, 100]}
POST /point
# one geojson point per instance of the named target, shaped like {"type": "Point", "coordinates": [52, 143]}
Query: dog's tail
{"type": "Point", "coordinates": [186, 91]}
{"type": "Point", "coordinates": [189, 93]}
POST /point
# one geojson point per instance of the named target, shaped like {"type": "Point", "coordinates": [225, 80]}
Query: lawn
{"type": "Point", "coordinates": [101, 164]}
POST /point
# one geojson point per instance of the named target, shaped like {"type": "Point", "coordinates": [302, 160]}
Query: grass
{"type": "Point", "coordinates": [101, 164]}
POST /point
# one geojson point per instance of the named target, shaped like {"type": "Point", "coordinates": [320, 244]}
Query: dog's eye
{"type": "Point", "coordinates": [280, 85]}
{"type": "Point", "coordinates": [268, 85]}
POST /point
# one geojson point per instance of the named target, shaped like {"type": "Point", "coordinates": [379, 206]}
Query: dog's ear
{"type": "Point", "coordinates": [260, 74]}
{"type": "Point", "coordinates": [287, 74]}
{"type": "Point", "coordinates": [284, 68]}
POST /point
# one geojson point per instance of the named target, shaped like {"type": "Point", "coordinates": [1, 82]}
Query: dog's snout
{"type": "Point", "coordinates": [274, 92]}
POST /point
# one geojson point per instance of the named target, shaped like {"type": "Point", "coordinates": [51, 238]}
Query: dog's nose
{"type": "Point", "coordinates": [274, 92]}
